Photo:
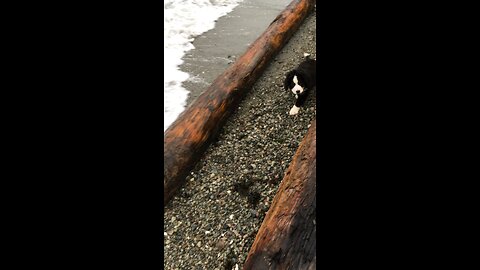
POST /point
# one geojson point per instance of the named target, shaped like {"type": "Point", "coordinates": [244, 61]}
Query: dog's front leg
{"type": "Point", "coordinates": [300, 100]}
{"type": "Point", "coordinates": [294, 110]}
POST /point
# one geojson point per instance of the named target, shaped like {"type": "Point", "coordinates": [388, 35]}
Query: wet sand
{"type": "Point", "coordinates": [231, 37]}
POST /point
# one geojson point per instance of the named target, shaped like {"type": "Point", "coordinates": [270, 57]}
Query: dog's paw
{"type": "Point", "coordinates": [294, 110]}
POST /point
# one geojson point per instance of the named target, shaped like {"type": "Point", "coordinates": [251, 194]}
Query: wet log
{"type": "Point", "coordinates": [189, 136]}
{"type": "Point", "coordinates": [286, 238]}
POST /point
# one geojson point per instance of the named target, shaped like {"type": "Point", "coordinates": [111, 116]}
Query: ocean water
{"type": "Point", "coordinates": [184, 20]}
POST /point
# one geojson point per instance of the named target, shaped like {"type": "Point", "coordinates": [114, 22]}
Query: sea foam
{"type": "Point", "coordinates": [183, 21]}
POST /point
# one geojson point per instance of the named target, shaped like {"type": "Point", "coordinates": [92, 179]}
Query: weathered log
{"type": "Point", "coordinates": [286, 238]}
{"type": "Point", "coordinates": [190, 134]}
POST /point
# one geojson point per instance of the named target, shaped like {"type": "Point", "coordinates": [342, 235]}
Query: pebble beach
{"type": "Point", "coordinates": [212, 221]}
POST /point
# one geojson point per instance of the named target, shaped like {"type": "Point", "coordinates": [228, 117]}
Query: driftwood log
{"type": "Point", "coordinates": [188, 137]}
{"type": "Point", "coordinates": [286, 238]}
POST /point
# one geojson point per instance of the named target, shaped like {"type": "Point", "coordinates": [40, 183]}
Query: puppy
{"type": "Point", "coordinates": [300, 81]}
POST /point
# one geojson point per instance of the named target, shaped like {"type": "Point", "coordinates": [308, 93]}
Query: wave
{"type": "Point", "coordinates": [184, 20]}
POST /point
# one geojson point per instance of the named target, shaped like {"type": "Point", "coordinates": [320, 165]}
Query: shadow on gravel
{"type": "Point", "coordinates": [243, 189]}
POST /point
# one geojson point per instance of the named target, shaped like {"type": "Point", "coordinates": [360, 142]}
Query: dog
{"type": "Point", "coordinates": [300, 81]}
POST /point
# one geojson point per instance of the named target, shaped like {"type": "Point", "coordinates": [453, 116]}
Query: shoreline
{"type": "Point", "coordinates": [212, 221]}
{"type": "Point", "coordinates": [217, 48]}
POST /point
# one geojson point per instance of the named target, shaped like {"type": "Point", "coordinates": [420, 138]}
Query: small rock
{"type": "Point", "coordinates": [221, 243]}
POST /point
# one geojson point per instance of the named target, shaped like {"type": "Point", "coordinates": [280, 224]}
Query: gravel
{"type": "Point", "coordinates": [212, 221]}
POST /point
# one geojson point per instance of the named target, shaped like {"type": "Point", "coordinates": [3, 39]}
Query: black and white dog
{"type": "Point", "coordinates": [300, 81]}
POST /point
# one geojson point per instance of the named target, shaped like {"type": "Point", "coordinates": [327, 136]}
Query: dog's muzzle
{"type": "Point", "coordinates": [298, 90]}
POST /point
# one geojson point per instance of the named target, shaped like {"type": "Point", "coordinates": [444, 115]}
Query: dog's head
{"type": "Point", "coordinates": [295, 82]}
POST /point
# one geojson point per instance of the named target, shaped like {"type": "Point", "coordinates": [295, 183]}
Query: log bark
{"type": "Point", "coordinates": [189, 136]}
{"type": "Point", "coordinates": [286, 238]}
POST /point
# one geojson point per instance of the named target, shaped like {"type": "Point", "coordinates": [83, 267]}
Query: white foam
{"type": "Point", "coordinates": [183, 21]}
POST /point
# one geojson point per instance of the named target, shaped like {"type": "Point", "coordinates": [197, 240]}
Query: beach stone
{"type": "Point", "coordinates": [255, 145]}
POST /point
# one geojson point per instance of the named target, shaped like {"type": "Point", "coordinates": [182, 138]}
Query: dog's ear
{"type": "Point", "coordinates": [288, 79]}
